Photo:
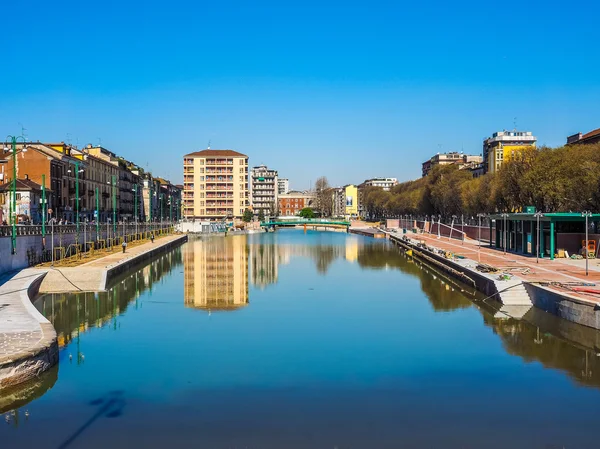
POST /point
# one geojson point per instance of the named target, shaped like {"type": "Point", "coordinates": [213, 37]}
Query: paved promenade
{"type": "Point", "coordinates": [27, 340]}
{"type": "Point", "coordinates": [91, 276]}
{"type": "Point", "coordinates": [545, 270]}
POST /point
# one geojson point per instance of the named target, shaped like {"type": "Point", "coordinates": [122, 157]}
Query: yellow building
{"type": "Point", "coordinates": [503, 146]}
{"type": "Point", "coordinates": [216, 273]}
{"type": "Point", "coordinates": [351, 192]}
{"type": "Point", "coordinates": [215, 184]}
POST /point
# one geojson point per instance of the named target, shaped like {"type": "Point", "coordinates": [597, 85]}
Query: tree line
{"type": "Point", "coordinates": [559, 179]}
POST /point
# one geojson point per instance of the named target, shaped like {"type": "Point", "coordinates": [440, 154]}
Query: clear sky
{"type": "Point", "coordinates": [350, 90]}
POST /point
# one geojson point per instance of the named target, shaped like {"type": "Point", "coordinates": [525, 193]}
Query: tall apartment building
{"type": "Point", "coordinates": [215, 184]}
{"type": "Point", "coordinates": [264, 190]}
{"type": "Point", "coordinates": [503, 145]}
{"type": "Point", "coordinates": [460, 159]}
{"type": "Point", "coordinates": [283, 186]}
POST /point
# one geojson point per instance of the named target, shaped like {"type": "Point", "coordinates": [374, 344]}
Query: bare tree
{"type": "Point", "coordinates": [324, 196]}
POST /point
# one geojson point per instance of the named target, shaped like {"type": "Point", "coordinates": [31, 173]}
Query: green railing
{"type": "Point", "coordinates": [306, 221]}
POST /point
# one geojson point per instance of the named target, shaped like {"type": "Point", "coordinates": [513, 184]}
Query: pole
{"type": "Point", "coordinates": [77, 198]}
{"type": "Point", "coordinates": [52, 229]}
{"type": "Point", "coordinates": [504, 233]}
{"type": "Point", "coordinates": [13, 209]}
{"type": "Point", "coordinates": [43, 208]}
{"type": "Point", "coordinates": [114, 183]}
{"type": "Point", "coordinates": [537, 242]}
{"type": "Point", "coordinates": [136, 210]}
{"type": "Point", "coordinates": [97, 217]}
{"type": "Point", "coordinates": [162, 199]}
{"type": "Point", "coordinates": [479, 238]}
{"type": "Point", "coordinates": [587, 214]}
{"type": "Point", "coordinates": [462, 228]}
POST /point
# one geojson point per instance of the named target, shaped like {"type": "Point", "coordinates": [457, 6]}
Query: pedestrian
{"type": "Point", "coordinates": [152, 237]}
{"type": "Point", "coordinates": [124, 245]}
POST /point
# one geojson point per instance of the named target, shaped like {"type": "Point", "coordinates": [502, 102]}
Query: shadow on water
{"type": "Point", "coordinates": [109, 406]}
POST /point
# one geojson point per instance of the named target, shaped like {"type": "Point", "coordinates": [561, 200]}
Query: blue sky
{"type": "Point", "coordinates": [349, 90]}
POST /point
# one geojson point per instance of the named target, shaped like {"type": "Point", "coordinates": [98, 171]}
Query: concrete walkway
{"type": "Point", "coordinates": [92, 276]}
{"type": "Point", "coordinates": [544, 270]}
{"type": "Point", "coordinates": [27, 339]}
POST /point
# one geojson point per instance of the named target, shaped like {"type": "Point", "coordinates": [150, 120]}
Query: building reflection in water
{"type": "Point", "coordinates": [74, 313]}
{"type": "Point", "coordinates": [216, 273]}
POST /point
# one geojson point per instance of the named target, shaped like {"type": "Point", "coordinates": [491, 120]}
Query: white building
{"type": "Point", "coordinates": [263, 190]}
{"type": "Point", "coordinates": [384, 183]}
{"type": "Point", "coordinates": [283, 186]}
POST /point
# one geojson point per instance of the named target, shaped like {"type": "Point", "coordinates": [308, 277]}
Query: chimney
{"type": "Point", "coordinates": [26, 176]}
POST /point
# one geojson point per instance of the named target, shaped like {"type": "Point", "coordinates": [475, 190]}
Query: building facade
{"type": "Point", "coordinates": [264, 190]}
{"type": "Point", "coordinates": [293, 202]}
{"type": "Point", "coordinates": [92, 180]}
{"type": "Point", "coordinates": [283, 186]}
{"type": "Point", "coordinates": [503, 145]}
{"type": "Point", "coordinates": [452, 158]}
{"type": "Point", "coordinates": [385, 183]}
{"type": "Point", "coordinates": [584, 139]}
{"type": "Point", "coordinates": [215, 185]}
{"type": "Point", "coordinates": [28, 208]}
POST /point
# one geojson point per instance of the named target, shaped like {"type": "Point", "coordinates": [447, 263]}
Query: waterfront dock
{"type": "Point", "coordinates": [551, 285]}
{"type": "Point", "coordinates": [368, 232]}
{"type": "Point", "coordinates": [28, 343]}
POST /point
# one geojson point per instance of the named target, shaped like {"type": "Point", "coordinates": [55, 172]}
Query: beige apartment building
{"type": "Point", "coordinates": [215, 185]}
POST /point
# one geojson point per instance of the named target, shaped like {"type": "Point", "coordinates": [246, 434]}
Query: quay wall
{"type": "Point", "coordinates": [140, 259]}
{"type": "Point", "coordinates": [30, 363]}
{"type": "Point", "coordinates": [575, 310]}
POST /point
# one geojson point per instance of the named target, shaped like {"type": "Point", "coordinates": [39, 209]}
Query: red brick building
{"type": "Point", "coordinates": [293, 202]}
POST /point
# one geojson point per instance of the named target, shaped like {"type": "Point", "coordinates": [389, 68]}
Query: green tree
{"type": "Point", "coordinates": [247, 217]}
{"type": "Point", "coordinates": [307, 212]}
{"type": "Point", "coordinates": [261, 215]}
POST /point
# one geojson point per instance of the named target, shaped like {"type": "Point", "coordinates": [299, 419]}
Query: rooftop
{"type": "Point", "coordinates": [215, 153]}
{"type": "Point", "coordinates": [22, 184]}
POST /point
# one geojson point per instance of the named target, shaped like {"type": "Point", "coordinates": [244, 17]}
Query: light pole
{"type": "Point", "coordinates": [135, 207]}
{"type": "Point", "coordinates": [13, 206]}
{"type": "Point", "coordinates": [43, 212]}
{"type": "Point", "coordinates": [462, 228]}
{"type": "Point", "coordinates": [537, 215]}
{"type": "Point", "coordinates": [505, 216]}
{"type": "Point", "coordinates": [587, 215]}
{"type": "Point", "coordinates": [113, 183]}
{"type": "Point", "coordinates": [77, 171]}
{"type": "Point", "coordinates": [97, 218]}
{"type": "Point", "coordinates": [479, 236]}
{"type": "Point", "coordinates": [162, 197]}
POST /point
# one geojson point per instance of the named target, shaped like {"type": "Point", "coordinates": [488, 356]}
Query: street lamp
{"type": "Point", "coordinates": [479, 216]}
{"type": "Point", "coordinates": [13, 207]}
{"type": "Point", "coordinates": [538, 215]}
{"type": "Point", "coordinates": [77, 171]}
{"type": "Point", "coordinates": [505, 216]}
{"type": "Point", "coordinates": [113, 184]}
{"type": "Point", "coordinates": [587, 215]}
{"type": "Point", "coordinates": [135, 207]}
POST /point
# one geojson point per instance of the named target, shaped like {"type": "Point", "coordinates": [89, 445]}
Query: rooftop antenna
{"type": "Point", "coordinates": [23, 129]}
{"type": "Point", "coordinates": [99, 141]}
{"type": "Point", "coordinates": [69, 138]}
{"type": "Point", "coordinates": [515, 123]}
{"type": "Point", "coordinates": [208, 148]}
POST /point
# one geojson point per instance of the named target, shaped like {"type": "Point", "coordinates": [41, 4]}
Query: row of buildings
{"type": "Point", "coordinates": [91, 183]}
{"type": "Point", "coordinates": [218, 184]}
{"type": "Point", "coordinates": [499, 148]}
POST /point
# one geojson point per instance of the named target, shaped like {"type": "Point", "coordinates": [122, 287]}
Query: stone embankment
{"type": "Point", "coordinates": [518, 282]}
{"type": "Point", "coordinates": [28, 343]}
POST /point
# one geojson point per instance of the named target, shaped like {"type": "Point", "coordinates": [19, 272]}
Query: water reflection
{"type": "Point", "coordinates": [72, 314]}
{"type": "Point", "coordinates": [20, 395]}
{"type": "Point", "coordinates": [216, 273]}
{"type": "Point", "coordinates": [219, 271]}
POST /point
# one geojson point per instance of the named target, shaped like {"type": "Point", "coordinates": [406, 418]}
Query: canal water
{"type": "Point", "coordinates": [303, 340]}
